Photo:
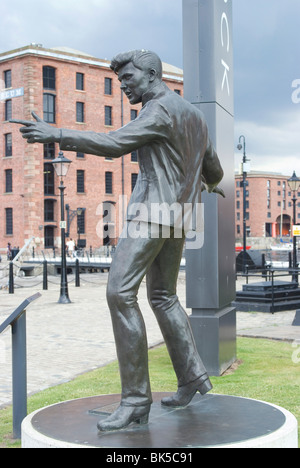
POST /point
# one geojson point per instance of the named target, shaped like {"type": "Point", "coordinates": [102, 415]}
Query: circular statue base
{"type": "Point", "coordinates": [210, 421]}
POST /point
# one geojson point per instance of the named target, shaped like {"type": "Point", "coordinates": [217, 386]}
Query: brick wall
{"type": "Point", "coordinates": [269, 198]}
{"type": "Point", "coordinates": [27, 161]}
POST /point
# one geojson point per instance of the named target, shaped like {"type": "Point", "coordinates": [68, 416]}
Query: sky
{"type": "Point", "coordinates": [266, 57]}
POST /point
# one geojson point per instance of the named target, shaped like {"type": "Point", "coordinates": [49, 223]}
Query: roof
{"type": "Point", "coordinates": [67, 53]}
{"type": "Point", "coordinates": [263, 174]}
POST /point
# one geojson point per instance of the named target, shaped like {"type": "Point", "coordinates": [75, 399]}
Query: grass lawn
{"type": "Point", "coordinates": [266, 371]}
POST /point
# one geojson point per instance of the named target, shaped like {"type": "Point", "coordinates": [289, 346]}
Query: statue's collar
{"type": "Point", "coordinates": [155, 93]}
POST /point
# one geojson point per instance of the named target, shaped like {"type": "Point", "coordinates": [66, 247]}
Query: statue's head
{"type": "Point", "coordinates": [138, 72]}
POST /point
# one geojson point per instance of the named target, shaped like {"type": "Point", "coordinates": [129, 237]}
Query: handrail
{"type": "Point", "coordinates": [17, 320]}
{"type": "Point", "coordinates": [16, 314]}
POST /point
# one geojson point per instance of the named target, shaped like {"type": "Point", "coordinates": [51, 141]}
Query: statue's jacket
{"type": "Point", "coordinates": [174, 150]}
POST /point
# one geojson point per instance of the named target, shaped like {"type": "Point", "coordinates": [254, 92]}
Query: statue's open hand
{"type": "Point", "coordinates": [38, 131]}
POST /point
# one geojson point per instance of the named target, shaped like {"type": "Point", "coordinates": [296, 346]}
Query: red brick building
{"type": "Point", "coordinates": [68, 89]}
{"type": "Point", "coordinates": [269, 206]}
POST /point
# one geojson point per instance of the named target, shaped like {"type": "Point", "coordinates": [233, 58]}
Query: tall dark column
{"type": "Point", "coordinates": [210, 273]}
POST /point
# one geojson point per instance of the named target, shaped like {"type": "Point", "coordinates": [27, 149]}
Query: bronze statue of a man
{"type": "Point", "coordinates": [177, 161]}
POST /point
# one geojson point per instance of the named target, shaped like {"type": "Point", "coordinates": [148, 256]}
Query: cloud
{"type": "Point", "coordinates": [270, 147]}
{"type": "Point", "coordinates": [99, 27]}
{"type": "Point", "coordinates": [266, 57]}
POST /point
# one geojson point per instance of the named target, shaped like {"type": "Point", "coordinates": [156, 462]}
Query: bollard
{"type": "Point", "coordinates": [11, 288]}
{"type": "Point", "coordinates": [77, 276]}
{"type": "Point", "coordinates": [45, 275]}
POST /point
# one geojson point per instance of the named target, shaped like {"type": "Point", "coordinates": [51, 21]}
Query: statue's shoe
{"type": "Point", "coordinates": [186, 393]}
{"type": "Point", "coordinates": [124, 416]}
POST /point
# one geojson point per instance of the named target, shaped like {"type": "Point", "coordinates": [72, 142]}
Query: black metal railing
{"type": "Point", "coordinates": [17, 321]}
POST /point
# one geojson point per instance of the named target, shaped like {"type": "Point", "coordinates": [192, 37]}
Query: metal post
{"type": "Point", "coordinates": [295, 274]}
{"type": "Point", "coordinates": [244, 207]}
{"type": "Point", "coordinates": [45, 275]}
{"type": "Point", "coordinates": [19, 370]}
{"type": "Point", "coordinates": [64, 294]}
{"type": "Point", "coordinates": [11, 288]}
{"type": "Point", "coordinates": [77, 276]}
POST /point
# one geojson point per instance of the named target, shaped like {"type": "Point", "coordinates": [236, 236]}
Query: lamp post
{"type": "Point", "coordinates": [245, 160]}
{"type": "Point", "coordinates": [61, 166]}
{"type": "Point", "coordinates": [294, 184]}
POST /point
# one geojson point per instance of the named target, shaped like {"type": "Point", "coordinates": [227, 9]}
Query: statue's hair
{"type": "Point", "coordinates": [142, 59]}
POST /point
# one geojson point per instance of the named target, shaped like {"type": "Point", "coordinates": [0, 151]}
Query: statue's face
{"type": "Point", "coordinates": [134, 82]}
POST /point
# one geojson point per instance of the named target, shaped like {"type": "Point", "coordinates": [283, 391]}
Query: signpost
{"type": "Point", "coordinates": [296, 231]}
{"type": "Point", "coordinates": [210, 271]}
{"type": "Point", "coordinates": [11, 93]}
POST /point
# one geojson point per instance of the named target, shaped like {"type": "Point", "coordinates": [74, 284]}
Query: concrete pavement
{"type": "Point", "coordinates": [66, 340]}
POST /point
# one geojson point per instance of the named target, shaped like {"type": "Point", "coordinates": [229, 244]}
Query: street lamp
{"type": "Point", "coordinates": [244, 166]}
{"type": "Point", "coordinates": [294, 184]}
{"type": "Point", "coordinates": [61, 166]}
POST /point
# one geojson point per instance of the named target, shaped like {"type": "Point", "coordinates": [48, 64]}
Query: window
{"type": "Point", "coordinates": [79, 111]}
{"type": "Point", "coordinates": [8, 145]}
{"type": "Point", "coordinates": [134, 156]}
{"type": "Point", "coordinates": [48, 179]}
{"type": "Point", "coordinates": [81, 221]}
{"type": "Point", "coordinates": [108, 86]}
{"type": "Point", "coordinates": [108, 115]}
{"type": "Point", "coordinates": [177, 91]}
{"type": "Point", "coordinates": [8, 181]}
{"type": "Point", "coordinates": [80, 155]}
{"type": "Point", "coordinates": [133, 114]}
{"type": "Point", "coordinates": [8, 110]}
{"type": "Point", "coordinates": [80, 81]}
{"type": "Point", "coordinates": [49, 151]}
{"type": "Point", "coordinates": [9, 221]}
{"type": "Point", "coordinates": [108, 182]}
{"type": "Point", "coordinates": [49, 108]}
{"type": "Point", "coordinates": [238, 205]}
{"type": "Point", "coordinates": [49, 210]}
{"type": "Point", "coordinates": [133, 181]}
{"type": "Point", "coordinates": [7, 79]}
{"type": "Point", "coordinates": [49, 237]}
{"type": "Point", "coordinates": [80, 181]}
{"type": "Point", "coordinates": [49, 78]}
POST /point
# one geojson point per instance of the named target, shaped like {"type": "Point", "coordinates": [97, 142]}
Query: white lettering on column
{"type": "Point", "coordinates": [225, 42]}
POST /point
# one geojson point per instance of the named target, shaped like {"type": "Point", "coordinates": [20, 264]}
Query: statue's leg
{"type": "Point", "coordinates": [130, 263]}
{"type": "Point", "coordinates": [174, 323]}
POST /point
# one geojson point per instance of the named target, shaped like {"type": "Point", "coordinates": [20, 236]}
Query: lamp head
{"type": "Point", "coordinates": [294, 183]}
{"type": "Point", "coordinates": [61, 165]}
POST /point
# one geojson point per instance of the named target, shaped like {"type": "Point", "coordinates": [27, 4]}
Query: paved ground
{"type": "Point", "coordinates": [66, 340]}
